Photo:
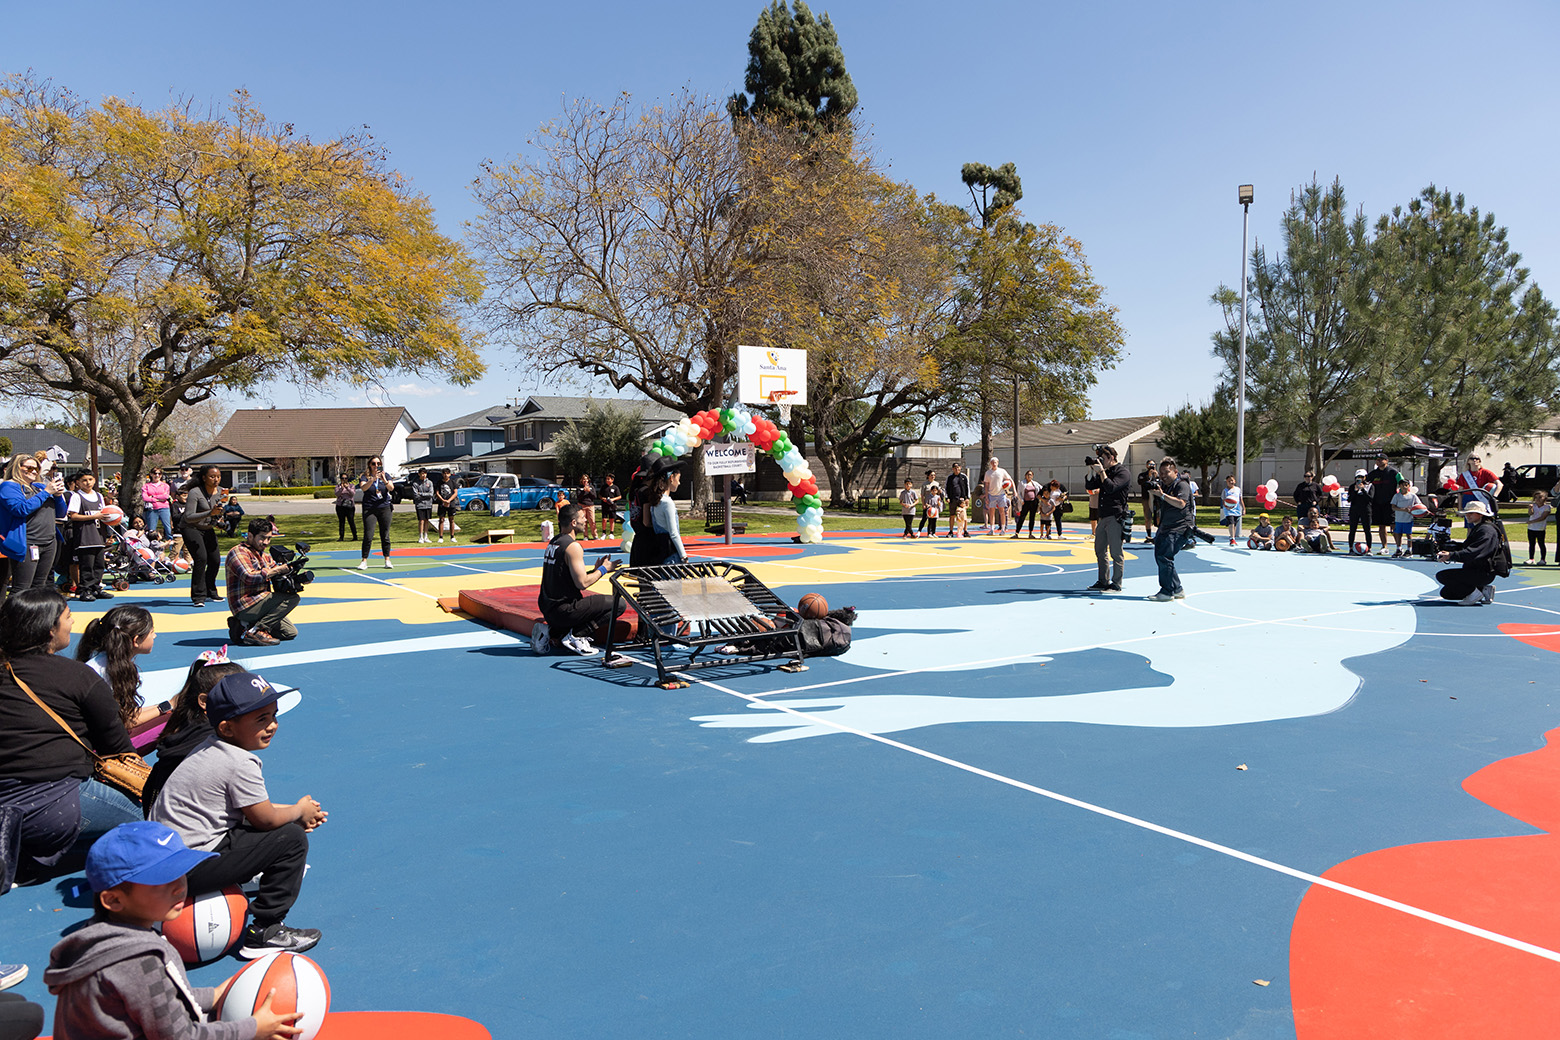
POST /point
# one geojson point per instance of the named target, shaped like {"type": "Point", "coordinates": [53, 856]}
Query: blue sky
{"type": "Point", "coordinates": [1131, 123]}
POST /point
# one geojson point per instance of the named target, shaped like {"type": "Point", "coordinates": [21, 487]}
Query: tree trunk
{"type": "Point", "coordinates": [839, 482]}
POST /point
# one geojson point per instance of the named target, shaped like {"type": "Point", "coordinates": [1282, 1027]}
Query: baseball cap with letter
{"type": "Point", "coordinates": [244, 692]}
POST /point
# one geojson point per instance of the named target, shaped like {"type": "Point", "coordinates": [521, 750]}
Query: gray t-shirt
{"type": "Point", "coordinates": [206, 795]}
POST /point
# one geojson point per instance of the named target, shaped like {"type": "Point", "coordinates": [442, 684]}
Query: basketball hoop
{"type": "Point", "coordinates": [780, 399]}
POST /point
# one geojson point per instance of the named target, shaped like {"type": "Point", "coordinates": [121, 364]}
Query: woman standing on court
{"type": "Point", "coordinates": [1029, 504]}
{"type": "Point", "coordinates": [155, 497]}
{"type": "Point", "coordinates": [205, 496]}
{"type": "Point", "coordinates": [657, 539]}
{"type": "Point", "coordinates": [377, 510]}
{"type": "Point", "coordinates": [346, 509]}
{"type": "Point", "coordinates": [28, 507]}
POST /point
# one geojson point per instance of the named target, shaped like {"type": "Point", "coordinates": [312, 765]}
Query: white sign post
{"type": "Point", "coordinates": [722, 460]}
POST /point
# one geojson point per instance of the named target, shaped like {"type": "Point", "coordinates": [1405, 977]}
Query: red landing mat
{"type": "Point", "coordinates": [515, 609]}
{"type": "Point", "coordinates": [396, 1025]}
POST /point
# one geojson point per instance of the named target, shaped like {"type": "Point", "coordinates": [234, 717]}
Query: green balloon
{"type": "Point", "coordinates": [813, 501]}
{"type": "Point", "coordinates": [800, 504]}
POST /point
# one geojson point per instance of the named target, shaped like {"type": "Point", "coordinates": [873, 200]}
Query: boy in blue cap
{"type": "Point", "coordinates": [217, 800]}
{"type": "Point", "coordinates": [117, 979]}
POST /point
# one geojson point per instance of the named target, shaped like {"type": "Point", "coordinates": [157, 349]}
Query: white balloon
{"type": "Point", "coordinates": [1272, 485]}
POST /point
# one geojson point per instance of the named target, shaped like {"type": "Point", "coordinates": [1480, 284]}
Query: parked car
{"type": "Point", "coordinates": [401, 490]}
{"type": "Point", "coordinates": [1528, 479]}
{"type": "Point", "coordinates": [522, 492]}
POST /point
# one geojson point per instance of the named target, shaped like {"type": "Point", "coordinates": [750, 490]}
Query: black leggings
{"type": "Point", "coordinates": [346, 516]}
{"type": "Point", "coordinates": [908, 529]}
{"type": "Point", "coordinates": [1360, 522]}
{"type": "Point", "coordinates": [1536, 539]}
{"type": "Point", "coordinates": [202, 544]}
{"type": "Point", "coordinates": [378, 515]}
{"type": "Point", "coordinates": [1030, 509]}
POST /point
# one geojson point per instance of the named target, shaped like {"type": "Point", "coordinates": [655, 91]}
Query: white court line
{"type": "Point", "coordinates": [1170, 832]}
{"type": "Point", "coordinates": [393, 585]}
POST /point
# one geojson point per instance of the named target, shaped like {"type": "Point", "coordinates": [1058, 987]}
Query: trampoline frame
{"type": "Point", "coordinates": [662, 626]}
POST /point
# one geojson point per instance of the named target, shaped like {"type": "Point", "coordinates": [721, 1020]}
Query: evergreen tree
{"type": "Point", "coordinates": [608, 440]}
{"type": "Point", "coordinates": [1313, 367]}
{"type": "Point", "coordinates": [796, 71]}
{"type": "Point", "coordinates": [1470, 345]}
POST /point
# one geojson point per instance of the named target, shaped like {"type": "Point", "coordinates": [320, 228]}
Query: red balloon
{"type": "Point", "coordinates": [808, 486]}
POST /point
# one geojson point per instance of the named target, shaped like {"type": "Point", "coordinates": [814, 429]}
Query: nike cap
{"type": "Point", "coordinates": [244, 692]}
{"type": "Point", "coordinates": [143, 852]}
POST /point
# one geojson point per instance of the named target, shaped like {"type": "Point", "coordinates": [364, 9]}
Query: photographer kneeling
{"type": "Point", "coordinates": [1111, 480]}
{"type": "Point", "coordinates": [259, 609]}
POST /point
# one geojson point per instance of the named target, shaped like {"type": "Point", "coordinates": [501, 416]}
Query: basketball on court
{"type": "Point", "coordinates": [813, 606]}
{"type": "Point", "coordinates": [299, 983]}
{"type": "Point", "coordinates": [208, 925]}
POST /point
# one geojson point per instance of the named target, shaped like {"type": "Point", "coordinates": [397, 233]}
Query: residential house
{"type": "Point", "coordinates": [68, 451]}
{"type": "Point", "coordinates": [458, 443]}
{"type": "Point", "coordinates": [312, 445]}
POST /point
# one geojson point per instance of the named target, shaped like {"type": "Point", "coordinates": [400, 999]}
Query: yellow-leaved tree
{"type": "Point", "coordinates": [149, 259]}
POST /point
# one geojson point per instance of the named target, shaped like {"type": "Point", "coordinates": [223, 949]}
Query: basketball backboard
{"type": "Point", "coordinates": [761, 371]}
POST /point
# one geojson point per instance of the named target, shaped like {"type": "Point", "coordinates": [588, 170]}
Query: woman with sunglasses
{"type": "Point", "coordinates": [155, 496]}
{"type": "Point", "coordinates": [27, 530]}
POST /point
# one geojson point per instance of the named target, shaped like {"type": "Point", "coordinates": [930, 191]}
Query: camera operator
{"type": "Point", "coordinates": [259, 613]}
{"type": "Point", "coordinates": [1177, 518]}
{"type": "Point", "coordinates": [1109, 481]}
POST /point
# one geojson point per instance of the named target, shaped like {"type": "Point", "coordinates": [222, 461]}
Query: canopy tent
{"type": "Point", "coordinates": [1397, 446]}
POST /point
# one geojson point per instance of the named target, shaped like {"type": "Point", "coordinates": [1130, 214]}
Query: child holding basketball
{"type": "Point", "coordinates": [1262, 534]}
{"type": "Point", "coordinates": [1403, 505]}
{"type": "Point", "coordinates": [117, 977]}
{"type": "Point", "coordinates": [218, 802]}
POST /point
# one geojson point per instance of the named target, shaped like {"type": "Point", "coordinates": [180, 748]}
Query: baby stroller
{"type": "Point", "coordinates": [129, 559]}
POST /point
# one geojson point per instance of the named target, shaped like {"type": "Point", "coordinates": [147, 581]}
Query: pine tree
{"type": "Point", "coordinates": [796, 72]}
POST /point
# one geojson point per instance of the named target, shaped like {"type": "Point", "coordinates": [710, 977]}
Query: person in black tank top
{"type": "Point", "coordinates": [569, 615]}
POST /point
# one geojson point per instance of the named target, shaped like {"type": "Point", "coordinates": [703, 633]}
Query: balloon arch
{"type": "Point", "coordinates": [737, 421]}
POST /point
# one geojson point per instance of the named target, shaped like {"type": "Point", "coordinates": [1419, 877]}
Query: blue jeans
{"type": "Point", "coordinates": [102, 809]}
{"type": "Point", "coordinates": [155, 516]}
{"type": "Point", "coordinates": [1166, 545]}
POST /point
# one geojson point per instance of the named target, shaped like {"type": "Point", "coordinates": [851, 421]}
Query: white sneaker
{"type": "Point", "coordinates": [388, 565]}
{"type": "Point", "coordinates": [579, 645]}
{"type": "Point", "coordinates": [1473, 599]}
{"type": "Point", "coordinates": [1159, 597]}
{"type": "Point", "coordinates": [441, 539]}
{"type": "Point", "coordinates": [363, 565]}
{"type": "Point", "coordinates": [541, 639]}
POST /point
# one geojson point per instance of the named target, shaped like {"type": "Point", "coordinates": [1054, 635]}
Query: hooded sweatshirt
{"type": "Point", "coordinates": [119, 982]}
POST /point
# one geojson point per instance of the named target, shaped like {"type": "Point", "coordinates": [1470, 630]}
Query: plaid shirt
{"type": "Point", "coordinates": [247, 583]}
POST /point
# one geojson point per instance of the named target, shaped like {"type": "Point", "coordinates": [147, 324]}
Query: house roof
{"type": "Point", "coordinates": [26, 440]}
{"type": "Point", "coordinates": [472, 420]}
{"type": "Point", "coordinates": [576, 407]}
{"type": "Point", "coordinates": [215, 448]}
{"type": "Point", "coordinates": [1084, 432]}
{"type": "Point", "coordinates": [280, 433]}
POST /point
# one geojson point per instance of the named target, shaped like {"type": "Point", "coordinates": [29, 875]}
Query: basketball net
{"type": "Point", "coordinates": [781, 400]}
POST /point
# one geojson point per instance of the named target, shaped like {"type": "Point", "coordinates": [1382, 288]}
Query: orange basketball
{"type": "Point", "coordinates": [813, 606]}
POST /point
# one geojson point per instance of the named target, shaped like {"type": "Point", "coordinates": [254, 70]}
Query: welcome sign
{"type": "Point", "coordinates": [721, 459]}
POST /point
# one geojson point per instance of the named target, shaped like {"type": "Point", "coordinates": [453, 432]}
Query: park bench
{"type": "Point", "coordinates": [715, 519]}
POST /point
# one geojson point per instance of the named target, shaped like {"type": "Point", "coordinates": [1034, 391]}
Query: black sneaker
{"type": "Point", "coordinates": [1099, 586]}
{"type": "Point", "coordinates": [100, 594]}
{"type": "Point", "coordinates": [1114, 586]}
{"type": "Point", "coordinates": [278, 938]}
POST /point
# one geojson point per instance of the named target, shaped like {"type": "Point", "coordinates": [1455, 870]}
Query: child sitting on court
{"type": "Point", "coordinates": [217, 801]}
{"type": "Point", "coordinates": [117, 977]}
{"type": "Point", "coordinates": [1316, 536]}
{"type": "Point", "coordinates": [187, 727]}
{"type": "Point", "coordinates": [1287, 537]}
{"type": "Point", "coordinates": [1262, 534]}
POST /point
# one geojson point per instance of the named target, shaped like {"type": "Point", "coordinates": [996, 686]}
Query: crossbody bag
{"type": "Point", "coordinates": [125, 772]}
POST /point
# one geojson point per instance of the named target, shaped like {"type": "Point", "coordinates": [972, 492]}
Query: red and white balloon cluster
{"type": "Point", "coordinates": [736, 421]}
{"type": "Point", "coordinates": [1267, 495]}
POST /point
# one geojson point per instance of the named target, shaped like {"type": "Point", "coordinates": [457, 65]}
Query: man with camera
{"type": "Point", "coordinates": [259, 609]}
{"type": "Point", "coordinates": [1110, 483]}
{"type": "Point", "coordinates": [1177, 517]}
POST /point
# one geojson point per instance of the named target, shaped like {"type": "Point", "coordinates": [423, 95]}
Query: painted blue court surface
{"type": "Point", "coordinates": [1013, 809]}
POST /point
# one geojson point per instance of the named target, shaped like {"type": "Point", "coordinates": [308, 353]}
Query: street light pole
{"type": "Point", "coordinates": [1246, 192]}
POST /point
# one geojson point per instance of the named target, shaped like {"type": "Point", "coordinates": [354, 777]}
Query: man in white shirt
{"type": "Point", "coordinates": [996, 483]}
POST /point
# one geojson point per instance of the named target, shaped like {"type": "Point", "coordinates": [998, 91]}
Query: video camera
{"type": "Point", "coordinates": [295, 560]}
{"type": "Point", "coordinates": [1094, 460]}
